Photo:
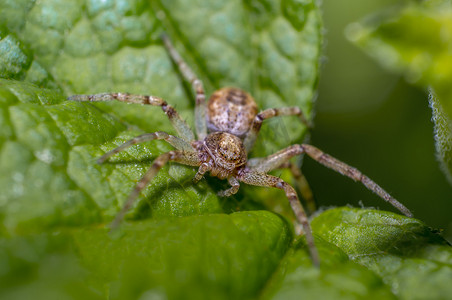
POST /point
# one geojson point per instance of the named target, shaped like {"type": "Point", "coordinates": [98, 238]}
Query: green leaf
{"type": "Point", "coordinates": [55, 199]}
{"type": "Point", "coordinates": [51, 177]}
{"type": "Point", "coordinates": [54, 195]}
{"type": "Point", "coordinates": [42, 266]}
{"type": "Point", "coordinates": [115, 46]}
{"type": "Point", "coordinates": [212, 256]}
{"type": "Point", "coordinates": [237, 256]}
{"type": "Point", "coordinates": [411, 258]}
{"type": "Point", "coordinates": [338, 277]}
{"type": "Point", "coordinates": [443, 135]}
{"type": "Point", "coordinates": [414, 40]}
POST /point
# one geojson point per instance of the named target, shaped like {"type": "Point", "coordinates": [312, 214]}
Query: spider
{"type": "Point", "coordinates": [226, 128]}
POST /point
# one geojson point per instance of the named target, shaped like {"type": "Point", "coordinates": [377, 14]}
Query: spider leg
{"type": "Point", "coordinates": [176, 142]}
{"type": "Point", "coordinates": [179, 124]}
{"type": "Point", "coordinates": [302, 184]}
{"type": "Point", "coordinates": [251, 135]}
{"type": "Point", "coordinates": [186, 158]}
{"type": "Point", "coordinates": [275, 160]}
{"type": "Point", "coordinates": [253, 177]}
{"type": "Point", "coordinates": [201, 171]}
{"type": "Point", "coordinates": [235, 185]}
{"type": "Point", "coordinates": [280, 160]}
{"type": "Point", "coordinates": [190, 76]}
{"type": "Point", "coordinates": [356, 175]}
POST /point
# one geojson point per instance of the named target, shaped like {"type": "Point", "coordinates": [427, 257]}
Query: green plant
{"type": "Point", "coordinates": [55, 200]}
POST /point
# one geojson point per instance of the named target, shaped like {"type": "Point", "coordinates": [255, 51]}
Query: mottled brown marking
{"type": "Point", "coordinates": [231, 110]}
{"type": "Point", "coordinates": [169, 110]}
{"type": "Point", "coordinates": [226, 146]}
{"type": "Point", "coordinates": [236, 96]}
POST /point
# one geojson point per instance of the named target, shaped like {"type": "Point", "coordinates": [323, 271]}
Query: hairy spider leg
{"type": "Point", "coordinates": [268, 164]}
{"type": "Point", "coordinates": [354, 174]}
{"type": "Point", "coordinates": [235, 185]}
{"type": "Point", "coordinates": [203, 169]}
{"type": "Point", "coordinates": [302, 184]}
{"type": "Point", "coordinates": [278, 161]}
{"type": "Point", "coordinates": [251, 135]}
{"type": "Point", "coordinates": [190, 76]}
{"type": "Point", "coordinates": [318, 155]}
{"type": "Point", "coordinates": [178, 123]}
{"type": "Point", "coordinates": [256, 178]}
{"type": "Point", "coordinates": [186, 158]}
{"type": "Point", "coordinates": [176, 142]}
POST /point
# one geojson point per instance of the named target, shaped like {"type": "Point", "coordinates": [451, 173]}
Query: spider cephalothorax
{"type": "Point", "coordinates": [226, 130]}
{"type": "Point", "coordinates": [225, 154]}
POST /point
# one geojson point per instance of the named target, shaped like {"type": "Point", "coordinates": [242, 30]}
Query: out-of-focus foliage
{"type": "Point", "coordinates": [407, 255]}
{"type": "Point", "coordinates": [416, 40]}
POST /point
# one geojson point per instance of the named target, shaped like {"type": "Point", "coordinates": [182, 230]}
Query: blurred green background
{"type": "Point", "coordinates": [376, 122]}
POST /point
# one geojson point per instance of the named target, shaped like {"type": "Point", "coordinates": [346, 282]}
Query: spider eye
{"type": "Point", "coordinates": [229, 149]}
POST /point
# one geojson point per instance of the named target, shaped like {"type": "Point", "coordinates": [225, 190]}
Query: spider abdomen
{"type": "Point", "coordinates": [231, 110]}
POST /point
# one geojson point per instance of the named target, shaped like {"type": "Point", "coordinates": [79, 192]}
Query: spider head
{"type": "Point", "coordinates": [231, 110]}
{"type": "Point", "coordinates": [226, 150]}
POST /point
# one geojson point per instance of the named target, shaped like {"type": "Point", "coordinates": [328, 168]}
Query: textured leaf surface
{"type": "Point", "coordinates": [338, 277]}
{"type": "Point", "coordinates": [217, 256]}
{"type": "Point", "coordinates": [271, 50]}
{"type": "Point", "coordinates": [50, 182]}
{"type": "Point", "coordinates": [55, 199]}
{"type": "Point", "coordinates": [443, 135]}
{"type": "Point", "coordinates": [214, 256]}
{"type": "Point", "coordinates": [410, 258]}
{"type": "Point", "coordinates": [52, 178]}
{"type": "Point", "coordinates": [415, 40]}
